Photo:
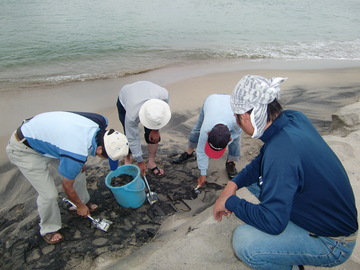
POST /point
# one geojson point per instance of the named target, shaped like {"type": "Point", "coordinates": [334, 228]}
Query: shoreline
{"type": "Point", "coordinates": [198, 67]}
{"type": "Point", "coordinates": [86, 96]}
{"type": "Point", "coordinates": [219, 76]}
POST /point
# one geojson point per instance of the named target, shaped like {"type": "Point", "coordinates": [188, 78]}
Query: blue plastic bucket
{"type": "Point", "coordinates": [131, 195]}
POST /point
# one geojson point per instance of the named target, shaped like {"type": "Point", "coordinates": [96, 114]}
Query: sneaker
{"type": "Point", "coordinates": [183, 157]}
{"type": "Point", "coordinates": [230, 169]}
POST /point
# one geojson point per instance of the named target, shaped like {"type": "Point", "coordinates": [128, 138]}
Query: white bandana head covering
{"type": "Point", "coordinates": [255, 92]}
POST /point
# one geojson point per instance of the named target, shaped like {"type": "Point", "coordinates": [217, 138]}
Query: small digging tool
{"type": "Point", "coordinates": [102, 224]}
{"type": "Point", "coordinates": [151, 196]}
{"type": "Point", "coordinates": [195, 192]}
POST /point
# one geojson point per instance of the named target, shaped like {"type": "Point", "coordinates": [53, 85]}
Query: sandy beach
{"type": "Point", "coordinates": [328, 92]}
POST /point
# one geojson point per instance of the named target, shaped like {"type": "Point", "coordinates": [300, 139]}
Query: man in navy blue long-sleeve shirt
{"type": "Point", "coordinates": [307, 213]}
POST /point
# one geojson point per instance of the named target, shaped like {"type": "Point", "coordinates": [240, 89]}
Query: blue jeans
{"type": "Point", "coordinates": [234, 146]}
{"type": "Point", "coordinates": [294, 246]}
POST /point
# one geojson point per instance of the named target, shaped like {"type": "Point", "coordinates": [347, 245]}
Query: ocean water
{"type": "Point", "coordinates": [46, 42]}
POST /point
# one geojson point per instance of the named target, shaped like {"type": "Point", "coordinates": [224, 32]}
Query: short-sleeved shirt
{"type": "Point", "coordinates": [67, 136]}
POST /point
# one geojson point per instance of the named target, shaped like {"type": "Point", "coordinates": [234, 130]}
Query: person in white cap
{"type": "Point", "coordinates": [144, 102]}
{"type": "Point", "coordinates": [307, 213]}
{"type": "Point", "coordinates": [69, 137]}
{"type": "Point", "coordinates": [215, 129]}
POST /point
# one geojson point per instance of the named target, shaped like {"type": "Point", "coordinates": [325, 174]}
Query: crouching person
{"type": "Point", "coordinates": [307, 213]}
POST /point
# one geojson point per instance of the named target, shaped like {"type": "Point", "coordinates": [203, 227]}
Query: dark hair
{"type": "Point", "coordinates": [100, 140]}
{"type": "Point", "coordinates": [273, 110]}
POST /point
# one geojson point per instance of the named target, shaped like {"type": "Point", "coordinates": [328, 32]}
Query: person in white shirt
{"type": "Point", "coordinates": [144, 102]}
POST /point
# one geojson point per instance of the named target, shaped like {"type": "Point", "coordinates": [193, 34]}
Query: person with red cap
{"type": "Point", "coordinates": [215, 129]}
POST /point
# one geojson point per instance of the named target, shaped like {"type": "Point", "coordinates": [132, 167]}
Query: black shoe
{"type": "Point", "coordinates": [230, 169]}
{"type": "Point", "coordinates": [183, 157]}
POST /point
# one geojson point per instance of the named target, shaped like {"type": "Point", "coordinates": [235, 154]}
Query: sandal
{"type": "Point", "coordinates": [50, 236]}
{"type": "Point", "coordinates": [92, 207]}
{"type": "Point", "coordinates": [156, 172]}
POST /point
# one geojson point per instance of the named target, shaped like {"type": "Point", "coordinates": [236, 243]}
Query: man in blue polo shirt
{"type": "Point", "coordinates": [307, 213]}
{"type": "Point", "coordinates": [69, 137]}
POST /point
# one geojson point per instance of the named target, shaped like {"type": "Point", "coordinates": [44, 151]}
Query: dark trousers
{"type": "Point", "coordinates": [122, 113]}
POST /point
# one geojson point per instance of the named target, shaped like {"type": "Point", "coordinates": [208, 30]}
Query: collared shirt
{"type": "Point", "coordinates": [67, 136]}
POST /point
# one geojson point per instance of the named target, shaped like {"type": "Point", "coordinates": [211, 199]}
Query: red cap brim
{"type": "Point", "coordinates": [211, 153]}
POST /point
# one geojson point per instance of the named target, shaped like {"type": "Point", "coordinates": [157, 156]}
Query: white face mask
{"type": "Point", "coordinates": [258, 118]}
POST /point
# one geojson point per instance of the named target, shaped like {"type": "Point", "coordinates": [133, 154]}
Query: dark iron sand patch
{"type": "Point", "coordinates": [131, 228]}
{"type": "Point", "coordinates": [121, 180]}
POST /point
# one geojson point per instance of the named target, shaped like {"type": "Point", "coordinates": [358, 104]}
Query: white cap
{"type": "Point", "coordinates": [154, 114]}
{"type": "Point", "coordinates": [116, 145]}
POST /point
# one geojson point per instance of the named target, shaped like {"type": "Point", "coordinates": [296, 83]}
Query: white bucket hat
{"type": "Point", "coordinates": [154, 114]}
{"type": "Point", "coordinates": [116, 144]}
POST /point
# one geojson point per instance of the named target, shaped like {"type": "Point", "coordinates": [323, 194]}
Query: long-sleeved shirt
{"type": "Point", "coordinates": [132, 97]}
{"type": "Point", "coordinates": [67, 136]}
{"type": "Point", "coordinates": [300, 179]}
{"type": "Point", "coordinates": [216, 110]}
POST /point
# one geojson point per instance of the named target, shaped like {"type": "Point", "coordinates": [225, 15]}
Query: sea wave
{"type": "Point", "coordinates": [35, 74]}
{"type": "Point", "coordinates": [48, 81]}
{"type": "Point", "coordinates": [349, 50]}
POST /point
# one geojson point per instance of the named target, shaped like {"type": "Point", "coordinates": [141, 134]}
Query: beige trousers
{"type": "Point", "coordinates": [34, 167]}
